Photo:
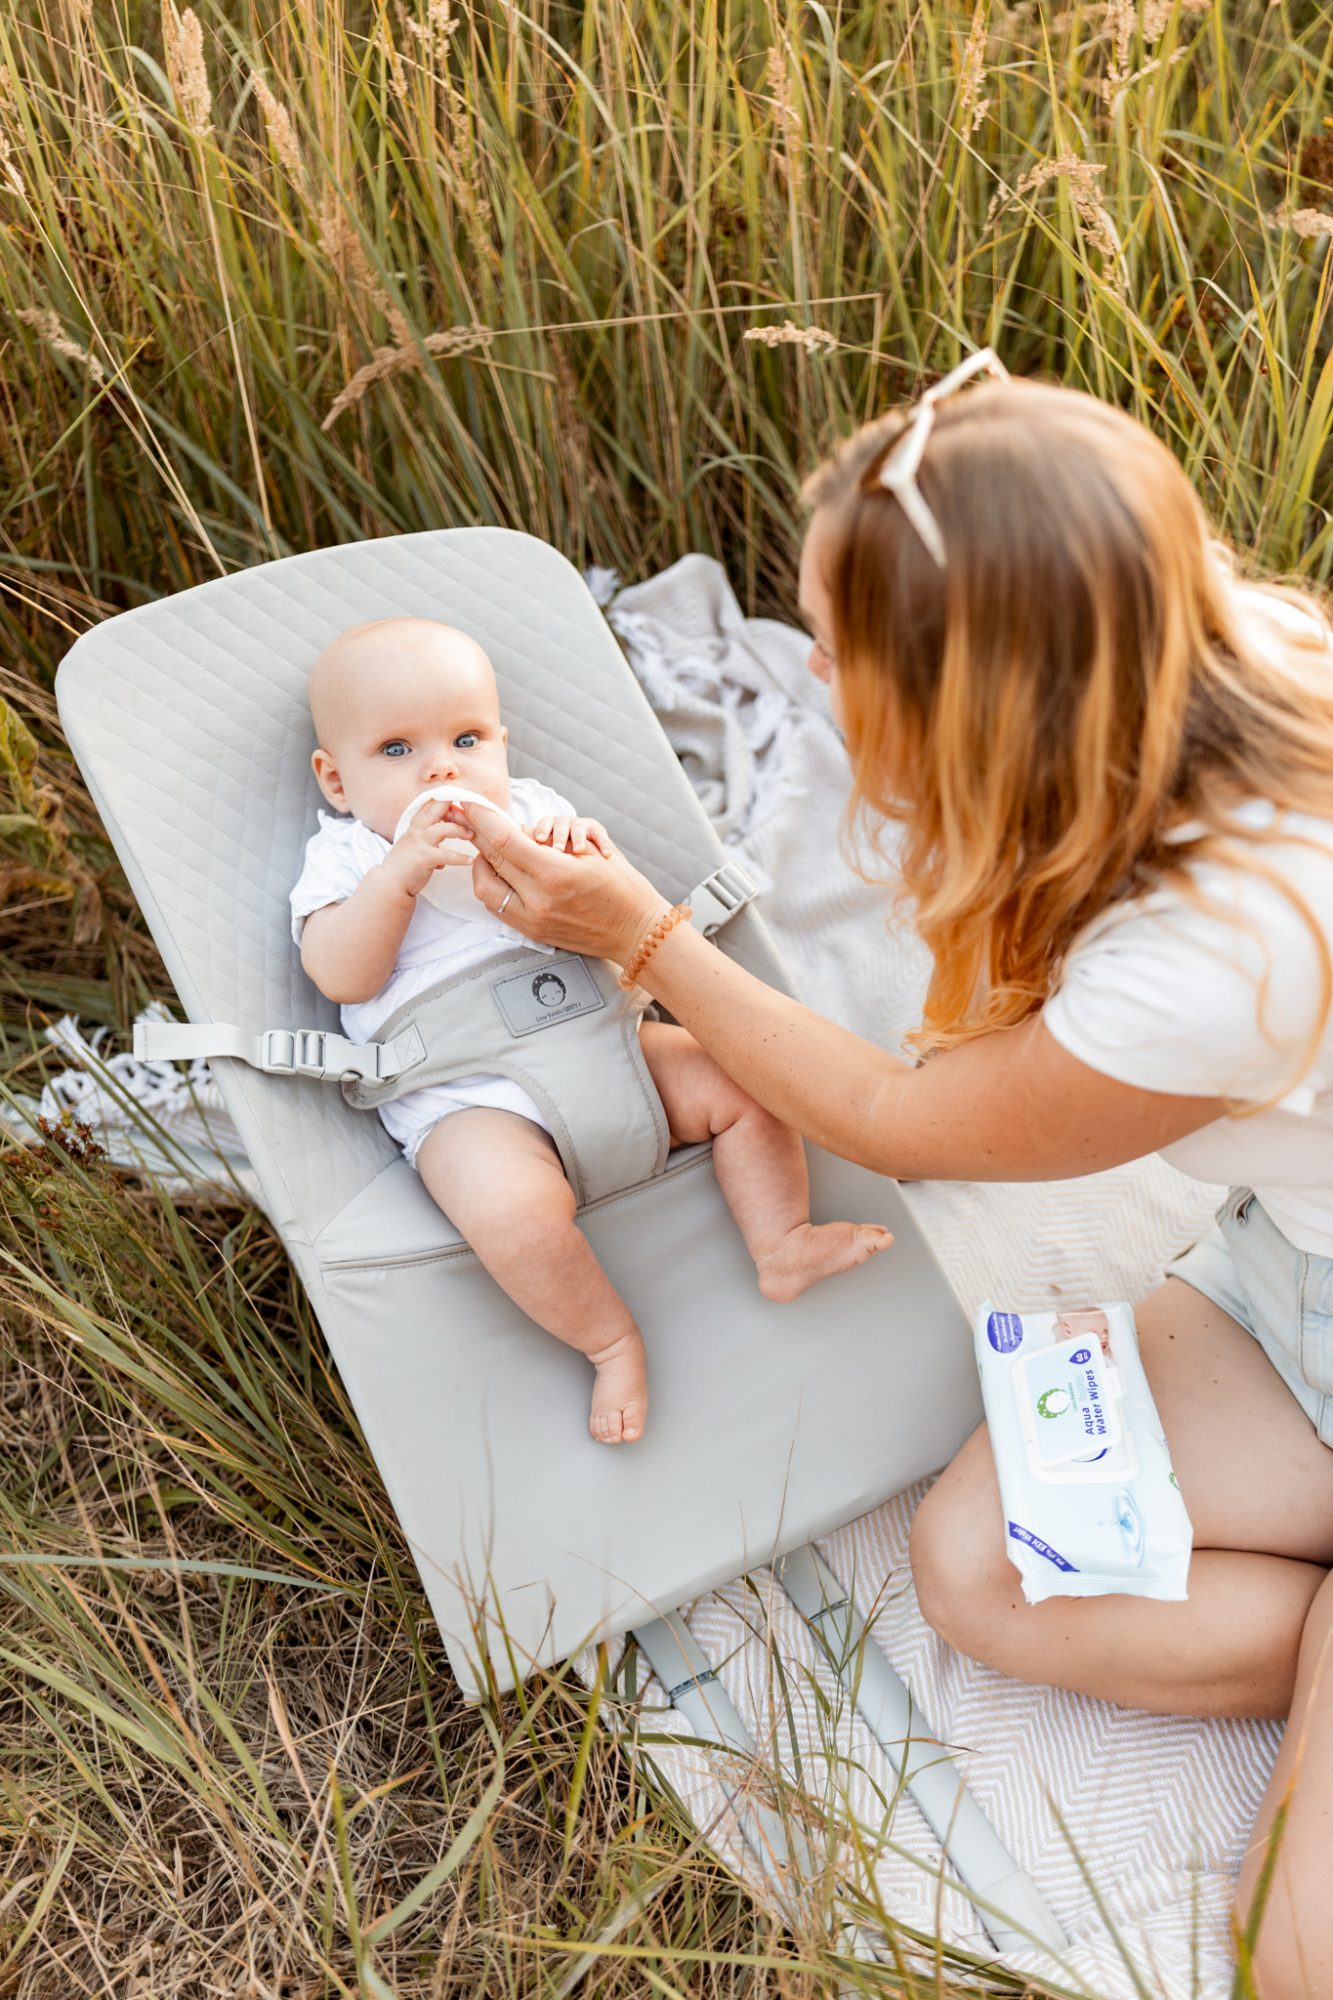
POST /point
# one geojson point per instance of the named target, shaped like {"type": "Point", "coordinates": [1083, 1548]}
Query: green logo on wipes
{"type": "Point", "coordinates": [1053, 1402]}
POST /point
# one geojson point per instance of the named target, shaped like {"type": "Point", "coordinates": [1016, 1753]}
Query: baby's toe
{"type": "Point", "coordinates": [605, 1426]}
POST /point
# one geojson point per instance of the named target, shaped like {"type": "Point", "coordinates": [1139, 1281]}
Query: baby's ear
{"type": "Point", "coordinates": [326, 777]}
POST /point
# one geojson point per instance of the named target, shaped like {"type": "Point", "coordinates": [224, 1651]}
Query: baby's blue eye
{"type": "Point", "coordinates": [467, 733]}
{"type": "Point", "coordinates": [395, 749]}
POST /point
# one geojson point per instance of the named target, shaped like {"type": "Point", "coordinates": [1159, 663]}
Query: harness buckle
{"type": "Point", "coordinates": [292, 1052]}
{"type": "Point", "coordinates": [728, 889]}
{"type": "Point", "coordinates": [731, 885]}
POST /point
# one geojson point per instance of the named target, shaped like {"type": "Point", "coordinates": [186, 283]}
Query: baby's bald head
{"type": "Point", "coordinates": [400, 706]}
{"type": "Point", "coordinates": [391, 659]}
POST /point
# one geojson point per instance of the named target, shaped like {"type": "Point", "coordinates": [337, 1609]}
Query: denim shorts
{"type": "Point", "coordinates": [1282, 1295]}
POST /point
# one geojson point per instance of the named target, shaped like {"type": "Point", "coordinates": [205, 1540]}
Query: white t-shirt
{"type": "Point", "coordinates": [1164, 996]}
{"type": "Point", "coordinates": [343, 852]}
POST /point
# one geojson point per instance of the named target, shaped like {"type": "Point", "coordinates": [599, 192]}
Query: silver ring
{"type": "Point", "coordinates": [505, 904]}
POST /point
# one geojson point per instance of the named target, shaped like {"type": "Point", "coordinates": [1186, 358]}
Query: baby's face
{"type": "Point", "coordinates": [400, 706]}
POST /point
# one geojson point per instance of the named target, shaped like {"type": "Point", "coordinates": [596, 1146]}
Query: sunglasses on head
{"type": "Point", "coordinates": [898, 473]}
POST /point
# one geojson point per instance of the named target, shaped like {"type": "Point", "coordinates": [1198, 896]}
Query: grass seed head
{"type": "Point", "coordinates": [813, 339]}
{"type": "Point", "coordinates": [389, 361]}
{"type": "Point", "coordinates": [49, 329]}
{"type": "Point", "coordinates": [183, 37]}
{"type": "Point", "coordinates": [972, 106]}
{"type": "Point", "coordinates": [1306, 221]}
{"type": "Point", "coordinates": [281, 132]}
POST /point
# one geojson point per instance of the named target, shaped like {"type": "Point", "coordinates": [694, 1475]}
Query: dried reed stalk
{"type": "Point", "coordinates": [388, 361]}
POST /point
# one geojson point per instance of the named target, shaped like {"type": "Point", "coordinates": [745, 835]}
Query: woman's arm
{"type": "Point", "coordinates": [1013, 1105]}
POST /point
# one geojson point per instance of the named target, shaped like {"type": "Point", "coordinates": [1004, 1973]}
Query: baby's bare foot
{"type": "Point", "coordinates": [620, 1392]}
{"type": "Point", "coordinates": [815, 1250]}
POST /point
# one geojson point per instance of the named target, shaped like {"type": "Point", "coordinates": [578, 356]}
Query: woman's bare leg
{"type": "Point", "coordinates": [1259, 1488]}
{"type": "Point", "coordinates": [760, 1167]}
{"type": "Point", "coordinates": [1293, 1950]}
{"type": "Point", "coordinates": [1254, 1637]}
{"type": "Point", "coordinates": [499, 1179]}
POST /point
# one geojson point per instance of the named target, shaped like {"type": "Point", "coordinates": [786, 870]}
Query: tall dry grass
{"type": "Point", "coordinates": [617, 273]}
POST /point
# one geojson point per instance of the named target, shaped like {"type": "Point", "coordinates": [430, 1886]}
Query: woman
{"type": "Point", "coordinates": [1114, 774]}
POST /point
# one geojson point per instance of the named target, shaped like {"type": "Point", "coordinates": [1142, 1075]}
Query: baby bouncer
{"type": "Point", "coordinates": [771, 1424]}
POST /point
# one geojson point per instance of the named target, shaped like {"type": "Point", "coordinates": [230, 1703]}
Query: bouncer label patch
{"type": "Point", "coordinates": [562, 989]}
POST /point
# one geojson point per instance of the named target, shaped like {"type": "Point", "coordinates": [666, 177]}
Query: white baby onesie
{"type": "Point", "coordinates": [435, 944]}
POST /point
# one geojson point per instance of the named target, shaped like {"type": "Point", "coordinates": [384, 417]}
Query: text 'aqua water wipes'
{"type": "Point", "coordinates": [1090, 1501]}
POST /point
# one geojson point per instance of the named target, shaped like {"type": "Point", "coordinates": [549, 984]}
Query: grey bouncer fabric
{"type": "Point", "coordinates": [770, 1424]}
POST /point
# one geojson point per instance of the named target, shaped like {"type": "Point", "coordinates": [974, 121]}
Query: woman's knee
{"type": "Point", "coordinates": [957, 1552]}
{"type": "Point", "coordinates": [1286, 1965]}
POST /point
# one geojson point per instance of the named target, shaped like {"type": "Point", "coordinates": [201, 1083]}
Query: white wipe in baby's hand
{"type": "Point", "coordinates": [1091, 1505]}
{"type": "Point", "coordinates": [450, 889]}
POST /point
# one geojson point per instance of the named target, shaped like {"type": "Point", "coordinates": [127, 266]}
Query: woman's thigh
{"type": "Point", "coordinates": [1252, 1471]}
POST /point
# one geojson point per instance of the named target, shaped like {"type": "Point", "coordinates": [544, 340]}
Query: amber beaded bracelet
{"type": "Point", "coordinates": [648, 943]}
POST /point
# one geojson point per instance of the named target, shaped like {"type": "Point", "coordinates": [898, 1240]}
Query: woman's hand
{"type": "Point", "coordinates": [594, 902]}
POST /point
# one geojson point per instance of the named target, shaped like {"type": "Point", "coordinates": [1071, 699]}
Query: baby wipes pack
{"type": "Point", "coordinates": [1090, 1501]}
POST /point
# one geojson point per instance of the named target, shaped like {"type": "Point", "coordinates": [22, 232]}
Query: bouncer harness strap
{"type": "Point", "coordinates": [560, 1026]}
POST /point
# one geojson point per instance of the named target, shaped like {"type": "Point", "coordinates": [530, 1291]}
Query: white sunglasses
{"type": "Point", "coordinates": [898, 472]}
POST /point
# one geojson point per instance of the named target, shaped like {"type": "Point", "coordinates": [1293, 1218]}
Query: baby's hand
{"type": "Point", "coordinates": [412, 860]}
{"type": "Point", "coordinates": [571, 835]}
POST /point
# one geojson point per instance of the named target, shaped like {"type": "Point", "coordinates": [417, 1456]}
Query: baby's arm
{"type": "Point", "coordinates": [349, 948]}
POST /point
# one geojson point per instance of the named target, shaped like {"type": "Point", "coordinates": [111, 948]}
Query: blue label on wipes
{"type": "Point", "coordinates": [1042, 1548]}
{"type": "Point", "coordinates": [1004, 1332]}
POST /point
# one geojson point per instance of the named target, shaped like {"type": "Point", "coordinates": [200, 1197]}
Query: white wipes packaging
{"type": "Point", "coordinates": [1090, 1501]}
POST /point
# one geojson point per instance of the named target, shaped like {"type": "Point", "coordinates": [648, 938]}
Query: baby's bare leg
{"type": "Point", "coordinates": [498, 1178]}
{"type": "Point", "coordinates": [760, 1167]}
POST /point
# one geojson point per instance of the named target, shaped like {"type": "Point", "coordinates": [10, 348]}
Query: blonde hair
{"type": "Point", "coordinates": [1044, 716]}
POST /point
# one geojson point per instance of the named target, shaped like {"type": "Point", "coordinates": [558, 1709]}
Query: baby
{"type": "Point", "coordinates": [401, 706]}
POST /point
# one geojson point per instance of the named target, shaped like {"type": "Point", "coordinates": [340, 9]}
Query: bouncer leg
{"type": "Point", "coordinates": [693, 1688]}
{"type": "Point", "coordinates": [1016, 1916]}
